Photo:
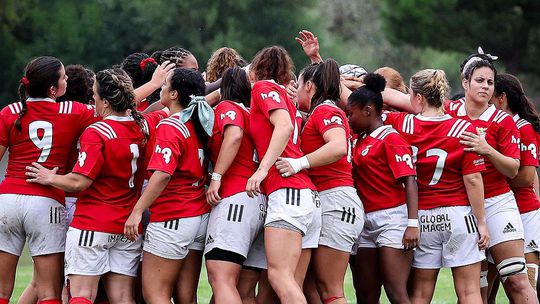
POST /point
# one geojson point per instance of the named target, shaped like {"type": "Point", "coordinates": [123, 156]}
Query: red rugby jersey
{"type": "Point", "coordinates": [441, 161]}
{"type": "Point", "coordinates": [111, 155]}
{"type": "Point", "coordinates": [151, 120]}
{"type": "Point", "coordinates": [178, 152]}
{"type": "Point", "coordinates": [228, 113]}
{"type": "Point", "coordinates": [525, 196]}
{"type": "Point", "coordinates": [324, 117]}
{"type": "Point", "coordinates": [379, 160]}
{"type": "Point", "coordinates": [501, 133]}
{"type": "Point", "coordinates": [48, 130]}
{"type": "Point", "coordinates": [267, 96]}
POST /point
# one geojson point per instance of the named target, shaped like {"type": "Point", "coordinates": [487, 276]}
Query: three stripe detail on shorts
{"type": "Point", "coordinates": [235, 213]}
{"type": "Point", "coordinates": [471, 224]}
{"type": "Point", "coordinates": [86, 238]}
{"type": "Point", "coordinates": [172, 224]}
{"type": "Point", "coordinates": [55, 215]}
{"type": "Point", "coordinates": [347, 215]}
{"type": "Point", "coordinates": [293, 197]}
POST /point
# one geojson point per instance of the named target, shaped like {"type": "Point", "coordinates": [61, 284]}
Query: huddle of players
{"type": "Point", "coordinates": [296, 184]}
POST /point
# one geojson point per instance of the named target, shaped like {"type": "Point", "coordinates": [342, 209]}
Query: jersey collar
{"type": "Point", "coordinates": [516, 117]}
{"type": "Point", "coordinates": [485, 116]}
{"type": "Point", "coordinates": [433, 118]}
{"type": "Point", "coordinates": [119, 118]}
{"type": "Point", "coordinates": [273, 81]}
{"type": "Point", "coordinates": [34, 99]}
{"type": "Point", "coordinates": [379, 130]}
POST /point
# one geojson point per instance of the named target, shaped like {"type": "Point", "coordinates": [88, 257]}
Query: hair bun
{"type": "Point", "coordinates": [375, 82]}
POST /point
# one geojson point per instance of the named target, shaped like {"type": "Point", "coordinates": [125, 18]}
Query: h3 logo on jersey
{"type": "Point", "coordinates": [231, 114]}
{"type": "Point", "coordinates": [334, 119]}
{"type": "Point", "coordinates": [406, 158]}
{"type": "Point", "coordinates": [272, 94]}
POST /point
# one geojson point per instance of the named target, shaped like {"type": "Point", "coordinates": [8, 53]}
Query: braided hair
{"type": "Point", "coordinates": [115, 86]}
{"type": "Point", "coordinates": [431, 84]}
{"type": "Point", "coordinates": [175, 55]}
{"type": "Point", "coordinates": [39, 75]}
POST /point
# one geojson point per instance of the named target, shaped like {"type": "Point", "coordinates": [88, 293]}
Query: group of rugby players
{"type": "Point", "coordinates": [124, 179]}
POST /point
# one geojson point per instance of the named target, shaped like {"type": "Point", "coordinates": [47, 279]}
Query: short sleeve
{"type": "Point", "coordinates": [472, 163]}
{"type": "Point", "coordinates": [399, 156]}
{"type": "Point", "coordinates": [394, 119]}
{"type": "Point", "coordinates": [228, 114]}
{"type": "Point", "coordinates": [167, 150]}
{"type": "Point", "coordinates": [508, 138]}
{"type": "Point", "coordinates": [153, 118]}
{"type": "Point", "coordinates": [4, 130]}
{"type": "Point", "coordinates": [268, 98]}
{"type": "Point", "coordinates": [328, 117]}
{"type": "Point", "coordinates": [90, 160]}
{"type": "Point", "coordinates": [529, 146]}
{"type": "Point", "coordinates": [86, 115]}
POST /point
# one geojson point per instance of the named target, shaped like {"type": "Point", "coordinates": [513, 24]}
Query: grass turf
{"type": "Point", "coordinates": [444, 292]}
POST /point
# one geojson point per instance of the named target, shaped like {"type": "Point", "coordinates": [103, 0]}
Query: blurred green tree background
{"type": "Point", "coordinates": [405, 34]}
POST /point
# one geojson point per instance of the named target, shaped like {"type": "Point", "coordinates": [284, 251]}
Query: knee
{"type": "Point", "coordinates": [397, 296]}
{"type": "Point", "coordinates": [517, 284]}
{"type": "Point", "coordinates": [329, 289]}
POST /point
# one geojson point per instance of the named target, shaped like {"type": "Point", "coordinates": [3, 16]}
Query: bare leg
{"type": "Point", "coordinates": [119, 288]}
{"type": "Point", "coordinates": [49, 276]}
{"type": "Point", "coordinates": [395, 265]}
{"type": "Point", "coordinates": [159, 276]}
{"type": "Point", "coordinates": [188, 279]}
{"type": "Point", "coordinates": [223, 278]}
{"type": "Point", "coordinates": [423, 285]}
{"type": "Point", "coordinates": [8, 267]}
{"type": "Point", "coordinates": [330, 267]}
{"type": "Point", "coordinates": [283, 249]}
{"type": "Point", "coordinates": [466, 283]}
{"type": "Point", "coordinates": [247, 283]}
{"type": "Point", "coordinates": [368, 287]}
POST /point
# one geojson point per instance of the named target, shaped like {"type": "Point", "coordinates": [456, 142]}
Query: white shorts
{"type": "Point", "coordinates": [448, 238]}
{"type": "Point", "coordinates": [172, 239]}
{"type": "Point", "coordinates": [200, 237]}
{"type": "Point", "coordinates": [70, 209]}
{"type": "Point", "coordinates": [531, 225]}
{"type": "Point", "coordinates": [294, 206]}
{"type": "Point", "coordinates": [41, 220]}
{"type": "Point", "coordinates": [257, 257]}
{"type": "Point", "coordinates": [96, 253]}
{"type": "Point", "coordinates": [313, 234]}
{"type": "Point", "coordinates": [503, 219]}
{"type": "Point", "coordinates": [235, 223]}
{"type": "Point", "coordinates": [342, 218]}
{"type": "Point", "coordinates": [384, 228]}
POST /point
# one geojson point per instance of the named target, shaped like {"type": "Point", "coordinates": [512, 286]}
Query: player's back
{"type": "Point", "coordinates": [47, 132]}
{"type": "Point", "coordinates": [111, 155]}
{"type": "Point", "coordinates": [441, 160]}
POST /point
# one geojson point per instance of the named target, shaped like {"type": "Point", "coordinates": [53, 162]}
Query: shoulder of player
{"type": "Point", "coordinates": [12, 109]}
{"type": "Point", "coordinates": [457, 126]}
{"type": "Point", "coordinates": [522, 124]}
{"type": "Point", "coordinates": [502, 118]}
{"type": "Point", "coordinates": [101, 129]}
{"type": "Point", "coordinates": [73, 107]}
{"type": "Point", "coordinates": [173, 123]}
{"type": "Point", "coordinates": [327, 109]}
{"type": "Point", "coordinates": [388, 135]}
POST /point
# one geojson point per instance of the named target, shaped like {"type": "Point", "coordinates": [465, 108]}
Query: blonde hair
{"type": "Point", "coordinates": [431, 84]}
{"type": "Point", "coordinates": [221, 60]}
{"type": "Point", "coordinates": [393, 78]}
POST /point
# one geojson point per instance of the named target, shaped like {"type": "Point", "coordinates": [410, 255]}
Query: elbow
{"type": "Point", "coordinates": [513, 172]}
{"type": "Point", "coordinates": [340, 151]}
{"type": "Point", "coordinates": [287, 128]}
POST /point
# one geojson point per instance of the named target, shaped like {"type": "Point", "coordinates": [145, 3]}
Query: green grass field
{"type": "Point", "coordinates": [443, 294]}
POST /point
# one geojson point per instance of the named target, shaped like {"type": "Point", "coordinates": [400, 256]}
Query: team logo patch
{"type": "Point", "coordinates": [366, 150]}
{"type": "Point", "coordinates": [509, 228]}
{"type": "Point", "coordinates": [231, 114]}
{"type": "Point", "coordinates": [335, 119]}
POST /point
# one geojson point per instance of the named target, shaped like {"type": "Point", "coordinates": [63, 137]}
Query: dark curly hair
{"type": "Point", "coordinates": [79, 84]}
{"type": "Point", "coordinates": [273, 63]}
{"type": "Point", "coordinates": [370, 92]}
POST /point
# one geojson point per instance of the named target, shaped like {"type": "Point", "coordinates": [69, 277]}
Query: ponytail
{"type": "Point", "coordinates": [327, 83]}
{"type": "Point", "coordinates": [40, 74]}
{"type": "Point", "coordinates": [22, 99]}
{"type": "Point", "coordinates": [518, 102]}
